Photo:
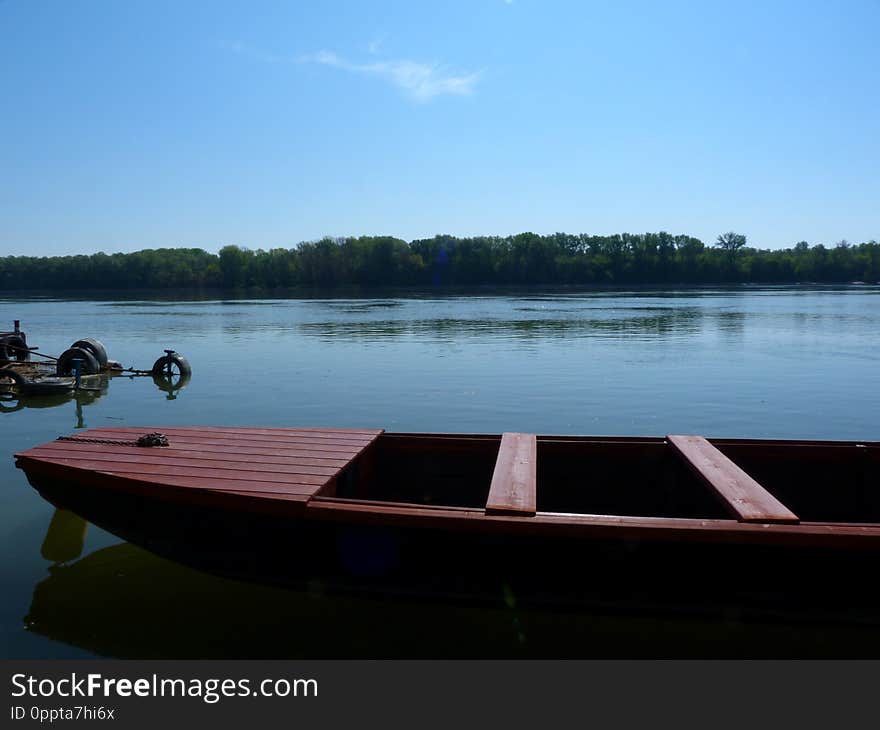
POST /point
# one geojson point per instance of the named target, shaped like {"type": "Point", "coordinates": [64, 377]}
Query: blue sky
{"type": "Point", "coordinates": [129, 125]}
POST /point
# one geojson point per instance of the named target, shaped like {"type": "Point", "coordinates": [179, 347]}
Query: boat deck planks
{"type": "Point", "coordinates": [286, 463]}
{"type": "Point", "coordinates": [746, 499]}
{"type": "Point", "coordinates": [513, 488]}
{"type": "Point", "coordinates": [216, 454]}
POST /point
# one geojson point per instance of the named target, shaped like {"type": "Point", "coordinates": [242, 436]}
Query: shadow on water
{"type": "Point", "coordinates": [257, 296]}
{"type": "Point", "coordinates": [122, 601]}
{"type": "Point", "coordinates": [125, 601]}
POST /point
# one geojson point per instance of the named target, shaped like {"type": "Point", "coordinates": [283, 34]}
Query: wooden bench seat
{"type": "Point", "coordinates": [513, 483]}
{"type": "Point", "coordinates": [747, 500]}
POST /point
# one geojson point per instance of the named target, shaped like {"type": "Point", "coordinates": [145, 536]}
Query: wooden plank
{"type": "Point", "coordinates": [273, 434]}
{"type": "Point", "coordinates": [210, 453]}
{"type": "Point", "coordinates": [292, 466]}
{"type": "Point", "coordinates": [156, 483]}
{"type": "Point", "coordinates": [258, 441]}
{"type": "Point", "coordinates": [244, 450]}
{"type": "Point", "coordinates": [221, 485]}
{"type": "Point", "coordinates": [265, 499]}
{"type": "Point", "coordinates": [270, 498]}
{"type": "Point", "coordinates": [603, 527]}
{"type": "Point", "coordinates": [513, 483]}
{"type": "Point", "coordinates": [156, 457]}
{"type": "Point", "coordinates": [218, 437]}
{"type": "Point", "coordinates": [236, 446]}
{"type": "Point", "coordinates": [744, 497]}
{"type": "Point", "coordinates": [158, 472]}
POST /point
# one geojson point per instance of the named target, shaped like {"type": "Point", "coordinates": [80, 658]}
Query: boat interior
{"type": "Point", "coordinates": [683, 477]}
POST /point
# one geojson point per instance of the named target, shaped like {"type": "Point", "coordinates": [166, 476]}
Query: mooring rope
{"type": "Point", "coordinates": [148, 439]}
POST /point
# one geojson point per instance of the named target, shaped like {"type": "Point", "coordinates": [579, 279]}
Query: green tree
{"type": "Point", "coordinates": [731, 242]}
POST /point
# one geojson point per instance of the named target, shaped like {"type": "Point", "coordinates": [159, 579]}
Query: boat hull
{"type": "Point", "coordinates": [615, 574]}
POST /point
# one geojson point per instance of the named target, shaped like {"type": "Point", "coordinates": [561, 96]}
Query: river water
{"type": "Point", "coordinates": [786, 362]}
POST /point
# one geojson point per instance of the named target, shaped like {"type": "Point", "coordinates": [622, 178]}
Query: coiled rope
{"type": "Point", "coordinates": [147, 440]}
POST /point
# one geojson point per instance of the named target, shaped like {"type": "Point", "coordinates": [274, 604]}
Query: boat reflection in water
{"type": "Point", "coordinates": [352, 594]}
{"type": "Point", "coordinates": [123, 601]}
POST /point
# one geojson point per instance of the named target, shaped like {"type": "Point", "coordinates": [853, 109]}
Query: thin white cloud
{"type": "Point", "coordinates": [420, 81]}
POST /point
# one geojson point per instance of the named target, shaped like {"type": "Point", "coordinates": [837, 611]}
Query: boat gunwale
{"type": "Point", "coordinates": [580, 525]}
{"type": "Point", "coordinates": [577, 438]}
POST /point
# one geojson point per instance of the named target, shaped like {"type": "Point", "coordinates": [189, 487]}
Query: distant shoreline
{"type": "Point", "coordinates": [446, 263]}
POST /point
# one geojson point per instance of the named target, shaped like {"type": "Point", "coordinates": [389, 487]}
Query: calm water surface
{"type": "Point", "coordinates": [776, 363]}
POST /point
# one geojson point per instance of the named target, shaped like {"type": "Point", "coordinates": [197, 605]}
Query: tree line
{"type": "Point", "coordinates": [523, 259]}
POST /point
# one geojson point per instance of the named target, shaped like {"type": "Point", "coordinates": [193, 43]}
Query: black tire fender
{"type": "Point", "coordinates": [160, 367]}
{"type": "Point", "coordinates": [64, 366]}
{"type": "Point", "coordinates": [97, 349]}
{"type": "Point", "coordinates": [16, 377]}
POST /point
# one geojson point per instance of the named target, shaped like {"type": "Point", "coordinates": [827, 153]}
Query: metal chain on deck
{"type": "Point", "coordinates": [147, 440]}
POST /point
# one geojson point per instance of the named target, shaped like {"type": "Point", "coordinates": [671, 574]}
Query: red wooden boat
{"type": "Point", "coordinates": [679, 488]}
{"type": "Point", "coordinates": [763, 530]}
